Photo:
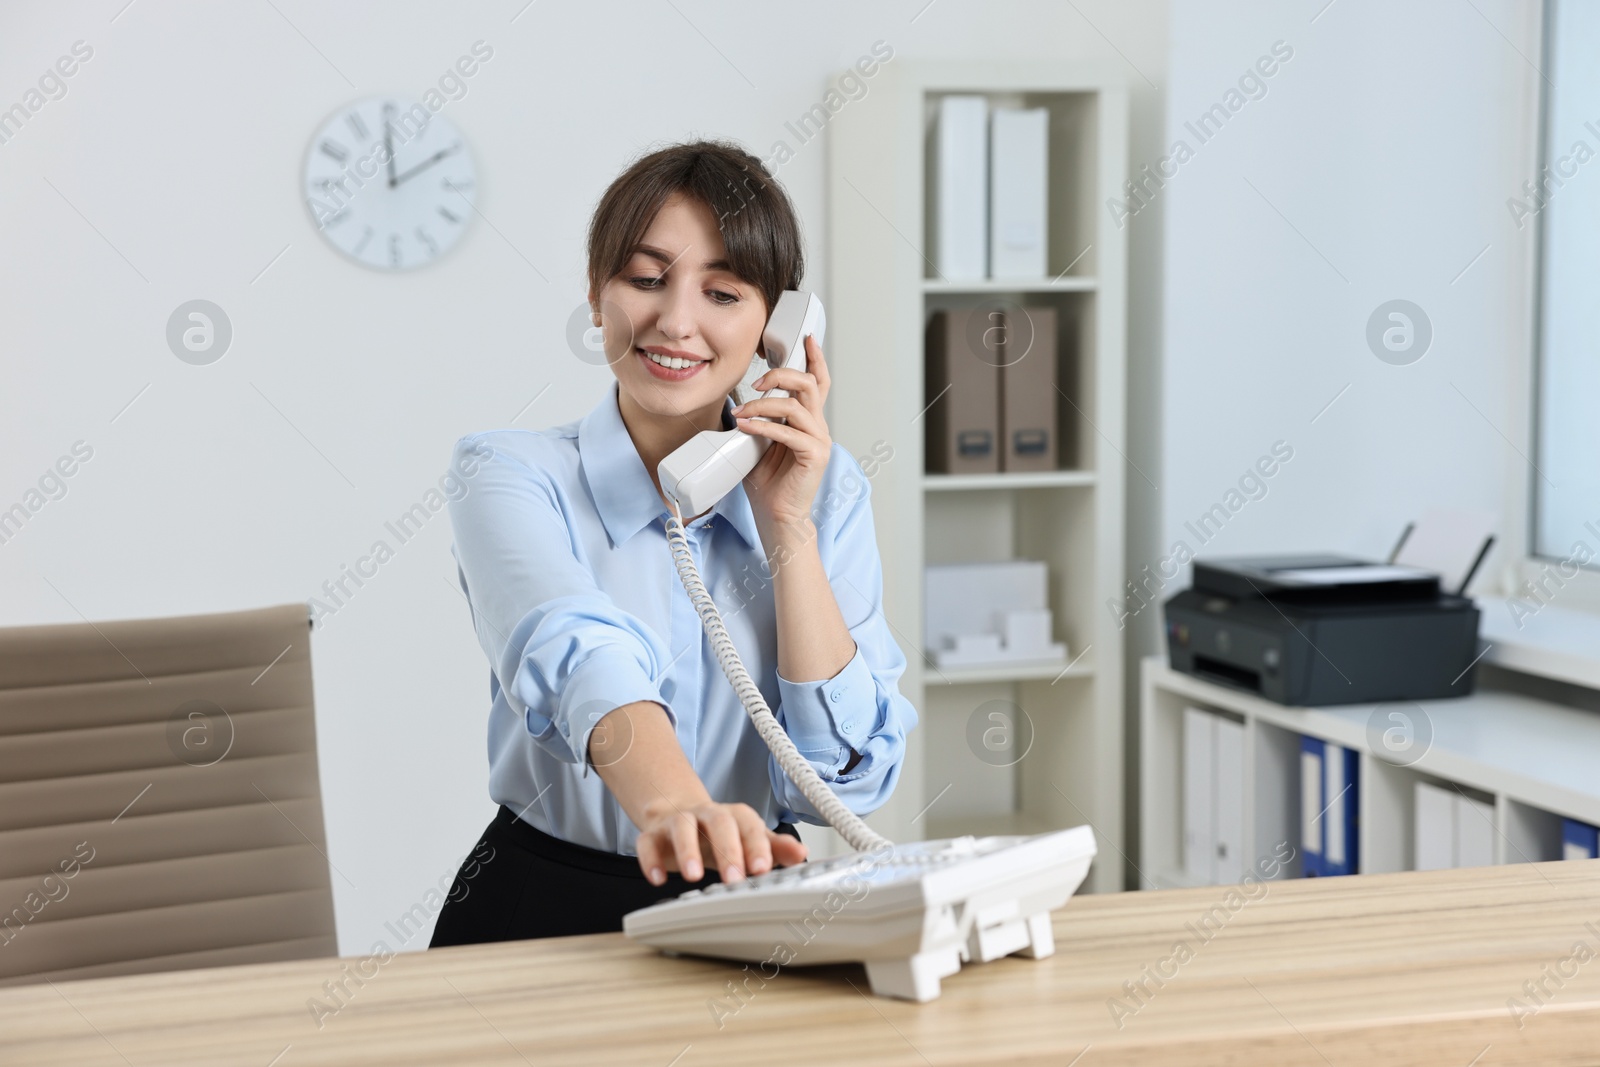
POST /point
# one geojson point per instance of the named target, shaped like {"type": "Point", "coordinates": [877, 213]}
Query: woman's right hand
{"type": "Point", "coordinates": [678, 837]}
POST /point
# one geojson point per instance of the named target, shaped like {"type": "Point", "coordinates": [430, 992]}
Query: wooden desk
{"type": "Point", "coordinates": [1411, 968]}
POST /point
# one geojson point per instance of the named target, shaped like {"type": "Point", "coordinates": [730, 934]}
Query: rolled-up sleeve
{"type": "Point", "coordinates": [860, 709]}
{"type": "Point", "coordinates": [564, 654]}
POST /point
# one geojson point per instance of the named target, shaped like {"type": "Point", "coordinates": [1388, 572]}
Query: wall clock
{"type": "Point", "coordinates": [389, 183]}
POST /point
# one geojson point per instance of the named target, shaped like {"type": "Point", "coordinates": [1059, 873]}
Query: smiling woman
{"type": "Point", "coordinates": [598, 658]}
{"type": "Point", "coordinates": [710, 200]}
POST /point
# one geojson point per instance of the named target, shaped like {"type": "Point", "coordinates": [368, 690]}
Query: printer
{"type": "Point", "coordinates": [1310, 630]}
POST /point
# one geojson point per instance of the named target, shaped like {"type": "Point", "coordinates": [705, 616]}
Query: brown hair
{"type": "Point", "coordinates": [758, 223]}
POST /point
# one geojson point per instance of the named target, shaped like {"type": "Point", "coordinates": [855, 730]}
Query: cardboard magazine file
{"type": "Point", "coordinates": [1028, 391]}
{"type": "Point", "coordinates": [962, 421]}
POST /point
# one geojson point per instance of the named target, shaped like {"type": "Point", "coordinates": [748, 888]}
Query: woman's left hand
{"type": "Point", "coordinates": [783, 485]}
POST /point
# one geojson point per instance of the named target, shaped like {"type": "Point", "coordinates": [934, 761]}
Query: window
{"type": "Point", "coordinates": [1565, 198]}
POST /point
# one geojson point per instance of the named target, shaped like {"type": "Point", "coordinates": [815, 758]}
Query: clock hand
{"type": "Point", "coordinates": [388, 147]}
{"type": "Point", "coordinates": [425, 164]}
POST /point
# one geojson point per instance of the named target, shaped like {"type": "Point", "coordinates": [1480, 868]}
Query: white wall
{"type": "Point", "coordinates": [1376, 167]}
{"type": "Point", "coordinates": [170, 171]}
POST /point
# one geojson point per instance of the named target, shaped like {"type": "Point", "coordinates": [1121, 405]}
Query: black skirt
{"type": "Point", "coordinates": [519, 882]}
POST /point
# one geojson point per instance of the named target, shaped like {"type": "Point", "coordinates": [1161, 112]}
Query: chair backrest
{"type": "Point", "coordinates": [159, 801]}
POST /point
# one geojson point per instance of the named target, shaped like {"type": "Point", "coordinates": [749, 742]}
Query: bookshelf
{"type": "Point", "coordinates": [1533, 758]}
{"type": "Point", "coordinates": [1059, 762]}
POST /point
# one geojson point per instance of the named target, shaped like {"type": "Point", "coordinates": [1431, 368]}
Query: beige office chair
{"type": "Point", "coordinates": [159, 801]}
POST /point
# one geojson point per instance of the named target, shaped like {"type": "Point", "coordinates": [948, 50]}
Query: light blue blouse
{"type": "Point", "coordinates": [560, 546]}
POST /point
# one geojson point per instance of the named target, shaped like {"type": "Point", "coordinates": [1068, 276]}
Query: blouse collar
{"type": "Point", "coordinates": [623, 493]}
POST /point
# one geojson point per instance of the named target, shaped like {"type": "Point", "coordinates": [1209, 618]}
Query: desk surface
{"type": "Point", "coordinates": [1412, 968]}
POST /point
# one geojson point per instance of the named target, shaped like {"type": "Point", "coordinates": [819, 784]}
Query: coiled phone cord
{"type": "Point", "coordinates": [861, 837]}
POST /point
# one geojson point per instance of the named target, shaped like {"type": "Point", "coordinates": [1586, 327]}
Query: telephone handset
{"type": "Point", "coordinates": [707, 467]}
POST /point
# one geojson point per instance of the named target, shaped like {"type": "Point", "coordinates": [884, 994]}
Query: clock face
{"type": "Point", "coordinates": [389, 183]}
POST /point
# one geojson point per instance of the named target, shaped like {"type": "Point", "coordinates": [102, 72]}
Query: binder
{"type": "Point", "coordinates": [961, 154]}
{"type": "Point", "coordinates": [1330, 791]}
{"type": "Point", "coordinates": [1474, 832]}
{"type": "Point", "coordinates": [1199, 792]}
{"type": "Point", "coordinates": [1335, 787]}
{"type": "Point", "coordinates": [962, 394]}
{"type": "Point", "coordinates": [1311, 802]}
{"type": "Point", "coordinates": [1452, 829]}
{"type": "Point", "coordinates": [1213, 798]}
{"type": "Point", "coordinates": [1434, 844]}
{"type": "Point", "coordinates": [1579, 840]}
{"type": "Point", "coordinates": [1228, 774]}
{"type": "Point", "coordinates": [1341, 790]}
{"type": "Point", "coordinates": [1352, 810]}
{"type": "Point", "coordinates": [1028, 391]}
{"type": "Point", "coordinates": [1018, 154]}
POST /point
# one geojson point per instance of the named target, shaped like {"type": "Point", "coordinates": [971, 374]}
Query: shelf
{"type": "Point", "coordinates": [1009, 672]}
{"type": "Point", "coordinates": [1534, 751]}
{"type": "Point", "coordinates": [1552, 642]}
{"type": "Point", "coordinates": [1016, 480]}
{"type": "Point", "coordinates": [882, 184]}
{"type": "Point", "coordinates": [1535, 758]}
{"type": "Point", "coordinates": [1068, 284]}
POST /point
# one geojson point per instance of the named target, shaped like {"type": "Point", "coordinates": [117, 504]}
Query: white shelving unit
{"type": "Point", "coordinates": [1539, 761]}
{"type": "Point", "coordinates": [882, 289]}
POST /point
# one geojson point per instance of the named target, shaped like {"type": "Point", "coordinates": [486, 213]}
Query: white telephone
{"type": "Point", "coordinates": [706, 468]}
{"type": "Point", "coordinates": [911, 913]}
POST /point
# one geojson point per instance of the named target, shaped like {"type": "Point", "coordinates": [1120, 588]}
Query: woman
{"type": "Point", "coordinates": [623, 762]}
